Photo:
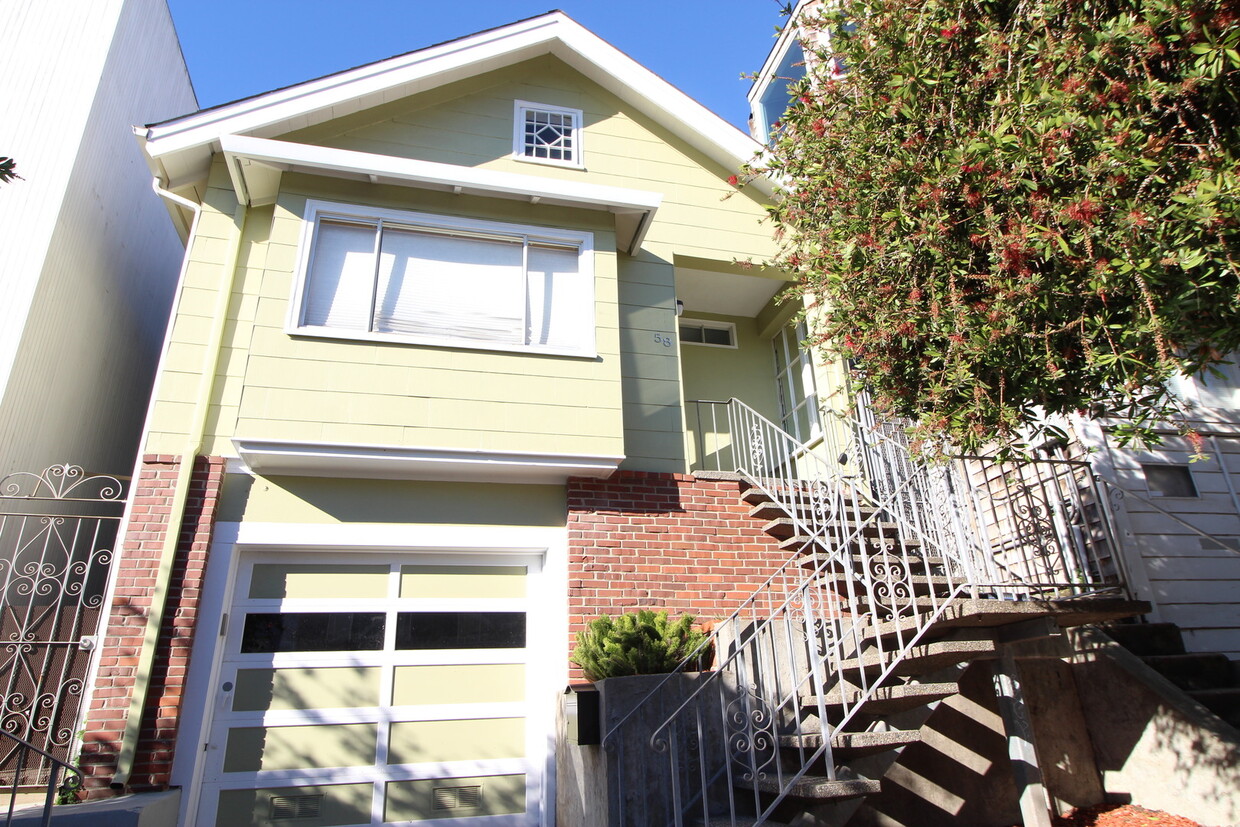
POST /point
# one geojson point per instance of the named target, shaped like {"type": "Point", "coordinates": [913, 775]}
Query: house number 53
{"type": "Point", "coordinates": [663, 339]}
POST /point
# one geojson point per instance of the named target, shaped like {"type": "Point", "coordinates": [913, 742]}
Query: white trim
{"type": "Point", "coordinates": [519, 148]}
{"type": "Point", "coordinates": [555, 33]}
{"type": "Point", "coordinates": [252, 161]}
{"type": "Point", "coordinates": [271, 457]}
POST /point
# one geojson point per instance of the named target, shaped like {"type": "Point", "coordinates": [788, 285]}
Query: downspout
{"type": "Point", "coordinates": [180, 491]}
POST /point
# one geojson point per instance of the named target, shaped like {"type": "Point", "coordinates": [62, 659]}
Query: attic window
{"type": "Point", "coordinates": [547, 134]}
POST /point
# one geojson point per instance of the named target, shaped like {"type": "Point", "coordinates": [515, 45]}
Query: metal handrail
{"type": "Point", "coordinates": [23, 747]}
{"type": "Point", "coordinates": [878, 524]}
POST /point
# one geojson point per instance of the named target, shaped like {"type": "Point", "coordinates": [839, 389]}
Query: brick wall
{"type": "Point", "coordinates": [135, 572]}
{"type": "Point", "coordinates": [640, 540]}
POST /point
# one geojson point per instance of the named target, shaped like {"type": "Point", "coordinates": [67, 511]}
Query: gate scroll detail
{"type": "Point", "coordinates": [57, 534]}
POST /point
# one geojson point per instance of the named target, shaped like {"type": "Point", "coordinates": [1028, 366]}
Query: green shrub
{"type": "Point", "coordinates": [642, 643]}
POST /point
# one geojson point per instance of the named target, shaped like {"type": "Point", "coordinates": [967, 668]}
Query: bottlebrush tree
{"type": "Point", "coordinates": [1008, 210]}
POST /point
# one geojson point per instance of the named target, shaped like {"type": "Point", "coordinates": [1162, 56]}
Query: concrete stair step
{"type": "Point", "coordinates": [768, 509]}
{"type": "Point", "coordinates": [783, 527]}
{"type": "Point", "coordinates": [886, 699]}
{"type": "Point", "coordinates": [873, 545]}
{"type": "Point", "coordinates": [1144, 639]}
{"type": "Point", "coordinates": [928, 657]}
{"type": "Point", "coordinates": [1224, 703]}
{"type": "Point", "coordinates": [845, 746]}
{"type": "Point", "coordinates": [1194, 671]}
{"type": "Point", "coordinates": [816, 787]}
{"type": "Point", "coordinates": [919, 584]}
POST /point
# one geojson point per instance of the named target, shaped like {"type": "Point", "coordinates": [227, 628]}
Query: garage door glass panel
{"type": "Point", "coordinates": [251, 749]}
{"type": "Point", "coordinates": [322, 805]}
{"type": "Point", "coordinates": [433, 798]}
{"type": "Point", "coordinates": [460, 630]}
{"type": "Point", "coordinates": [313, 632]}
{"type": "Point", "coordinates": [455, 581]}
{"type": "Point", "coordinates": [277, 581]}
{"type": "Point", "coordinates": [473, 739]}
{"type": "Point", "coordinates": [306, 688]}
{"type": "Point", "coordinates": [469, 683]}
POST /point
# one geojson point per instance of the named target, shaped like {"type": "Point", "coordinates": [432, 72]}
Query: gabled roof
{"type": "Point", "coordinates": [180, 150]}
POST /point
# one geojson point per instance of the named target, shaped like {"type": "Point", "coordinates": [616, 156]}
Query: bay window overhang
{"type": "Point", "coordinates": [257, 164]}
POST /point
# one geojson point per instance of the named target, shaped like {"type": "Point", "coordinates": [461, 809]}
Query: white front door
{"type": "Point", "coordinates": [374, 689]}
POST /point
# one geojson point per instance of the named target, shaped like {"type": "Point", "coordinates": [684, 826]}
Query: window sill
{"type": "Point", "coordinates": [430, 341]}
{"type": "Point", "coordinates": [549, 162]}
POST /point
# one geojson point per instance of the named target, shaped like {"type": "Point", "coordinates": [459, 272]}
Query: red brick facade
{"type": "Point", "coordinates": [135, 572]}
{"type": "Point", "coordinates": [641, 540]}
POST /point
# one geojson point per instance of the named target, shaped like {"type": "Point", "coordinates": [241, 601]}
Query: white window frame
{"type": "Point", "coordinates": [519, 153]}
{"type": "Point", "coordinates": [318, 210]}
{"type": "Point", "coordinates": [711, 325]}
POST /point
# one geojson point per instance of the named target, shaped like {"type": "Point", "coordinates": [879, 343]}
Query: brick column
{"type": "Point", "coordinates": [136, 571]}
{"type": "Point", "coordinates": [642, 540]}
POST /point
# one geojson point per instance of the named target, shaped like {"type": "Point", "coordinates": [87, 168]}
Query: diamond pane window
{"type": "Point", "coordinates": [547, 134]}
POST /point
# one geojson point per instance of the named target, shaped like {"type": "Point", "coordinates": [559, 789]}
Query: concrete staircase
{"type": "Point", "coordinates": [1210, 678]}
{"type": "Point", "coordinates": [870, 689]}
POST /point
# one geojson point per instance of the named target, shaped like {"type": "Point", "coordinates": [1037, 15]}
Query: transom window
{"type": "Point", "coordinates": [717, 334]}
{"type": "Point", "coordinates": [430, 279]}
{"type": "Point", "coordinates": [549, 134]}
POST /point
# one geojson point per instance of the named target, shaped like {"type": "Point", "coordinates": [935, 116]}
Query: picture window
{"type": "Point", "coordinates": [426, 279]}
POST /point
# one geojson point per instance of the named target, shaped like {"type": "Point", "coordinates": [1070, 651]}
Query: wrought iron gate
{"type": "Point", "coordinates": [57, 531]}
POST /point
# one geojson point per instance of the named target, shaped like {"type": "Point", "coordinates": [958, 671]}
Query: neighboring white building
{"type": "Point", "coordinates": [90, 256]}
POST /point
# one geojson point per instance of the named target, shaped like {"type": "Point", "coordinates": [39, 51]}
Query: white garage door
{"type": "Point", "coordinates": [374, 691]}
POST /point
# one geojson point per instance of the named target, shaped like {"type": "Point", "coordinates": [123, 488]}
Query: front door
{"type": "Point", "coordinates": [374, 689]}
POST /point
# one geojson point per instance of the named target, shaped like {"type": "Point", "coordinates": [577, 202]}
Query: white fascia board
{"type": "Point", "coordinates": [690, 120]}
{"type": "Point", "coordinates": [437, 64]}
{"type": "Point", "coordinates": [311, 459]}
{"type": "Point", "coordinates": [243, 152]}
{"type": "Point", "coordinates": [317, 100]}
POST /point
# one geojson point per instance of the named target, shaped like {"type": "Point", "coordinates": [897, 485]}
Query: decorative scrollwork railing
{"type": "Point", "coordinates": [882, 543]}
{"type": "Point", "coordinates": [57, 531]}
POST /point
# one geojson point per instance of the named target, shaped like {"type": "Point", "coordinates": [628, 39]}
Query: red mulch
{"type": "Point", "coordinates": [1121, 815]}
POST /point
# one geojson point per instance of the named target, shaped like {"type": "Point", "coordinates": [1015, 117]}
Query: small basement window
{"type": "Point", "coordinates": [547, 134]}
{"type": "Point", "coordinates": [1169, 480]}
{"type": "Point", "coordinates": [716, 334]}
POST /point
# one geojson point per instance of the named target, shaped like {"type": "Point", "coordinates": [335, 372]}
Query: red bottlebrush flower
{"type": "Point", "coordinates": [733, 180]}
{"type": "Point", "coordinates": [819, 126]}
{"type": "Point", "coordinates": [1084, 211]}
{"type": "Point", "coordinates": [972, 197]}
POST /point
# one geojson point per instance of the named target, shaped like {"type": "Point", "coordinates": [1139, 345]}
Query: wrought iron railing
{"type": "Point", "coordinates": [17, 753]}
{"type": "Point", "coordinates": [882, 543]}
{"type": "Point", "coordinates": [57, 530]}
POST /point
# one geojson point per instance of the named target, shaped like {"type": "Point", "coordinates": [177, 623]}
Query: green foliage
{"type": "Point", "coordinates": [642, 643]}
{"type": "Point", "coordinates": [8, 169]}
{"type": "Point", "coordinates": [1014, 208]}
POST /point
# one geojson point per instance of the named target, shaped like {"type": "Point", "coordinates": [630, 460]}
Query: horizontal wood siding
{"type": "Point", "coordinates": [1194, 582]}
{"type": "Point", "coordinates": [277, 386]}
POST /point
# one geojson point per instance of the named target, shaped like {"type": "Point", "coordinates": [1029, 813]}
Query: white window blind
{"type": "Point", "coordinates": [389, 279]}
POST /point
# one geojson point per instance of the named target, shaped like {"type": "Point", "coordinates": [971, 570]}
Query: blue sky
{"type": "Point", "coordinates": [236, 48]}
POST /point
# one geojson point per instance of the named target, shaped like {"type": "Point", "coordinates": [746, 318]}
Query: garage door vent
{"type": "Point", "coordinates": [286, 807]}
{"type": "Point", "coordinates": [458, 798]}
